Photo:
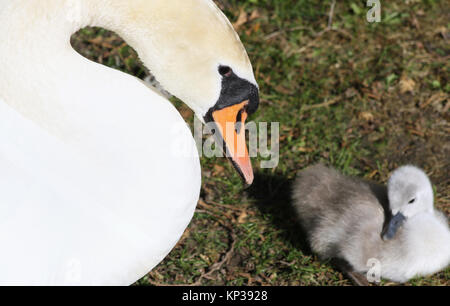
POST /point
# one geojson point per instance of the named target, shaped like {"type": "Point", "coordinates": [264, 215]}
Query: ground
{"type": "Point", "coordinates": [362, 97]}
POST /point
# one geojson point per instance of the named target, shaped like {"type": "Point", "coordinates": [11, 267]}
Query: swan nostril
{"type": "Point", "coordinates": [225, 71]}
{"type": "Point", "coordinates": [239, 116]}
{"type": "Point", "coordinates": [238, 123]}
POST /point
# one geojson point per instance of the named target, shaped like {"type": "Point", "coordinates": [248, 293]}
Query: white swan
{"type": "Point", "coordinates": [90, 191]}
{"type": "Point", "coordinates": [344, 218]}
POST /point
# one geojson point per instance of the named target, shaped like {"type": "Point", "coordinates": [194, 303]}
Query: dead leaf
{"type": "Point", "coordinates": [242, 19]}
{"type": "Point", "coordinates": [415, 22]}
{"type": "Point", "coordinates": [443, 32]}
{"type": "Point", "coordinates": [350, 92]}
{"type": "Point", "coordinates": [420, 12]}
{"type": "Point", "coordinates": [96, 41]}
{"type": "Point", "coordinates": [205, 258]}
{"type": "Point", "coordinates": [372, 174]}
{"type": "Point", "coordinates": [254, 28]}
{"type": "Point", "coordinates": [202, 203]}
{"type": "Point", "coordinates": [242, 217]}
{"type": "Point", "coordinates": [101, 42]}
{"type": "Point", "coordinates": [156, 274]}
{"type": "Point", "coordinates": [303, 149]}
{"type": "Point", "coordinates": [374, 96]}
{"type": "Point", "coordinates": [284, 90]}
{"type": "Point", "coordinates": [185, 112]}
{"type": "Point", "coordinates": [218, 169]}
{"type": "Point", "coordinates": [406, 85]}
{"type": "Point", "coordinates": [254, 15]}
{"type": "Point", "coordinates": [416, 132]}
{"type": "Point", "coordinates": [367, 116]}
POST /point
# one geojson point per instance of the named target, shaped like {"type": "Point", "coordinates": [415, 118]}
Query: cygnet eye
{"type": "Point", "coordinates": [412, 201]}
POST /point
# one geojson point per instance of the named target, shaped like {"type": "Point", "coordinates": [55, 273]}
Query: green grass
{"type": "Point", "coordinates": [249, 236]}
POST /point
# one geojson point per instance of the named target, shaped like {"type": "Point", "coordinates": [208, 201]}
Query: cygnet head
{"type": "Point", "coordinates": [410, 193]}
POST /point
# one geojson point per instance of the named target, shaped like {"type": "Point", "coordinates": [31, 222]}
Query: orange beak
{"type": "Point", "coordinates": [230, 123]}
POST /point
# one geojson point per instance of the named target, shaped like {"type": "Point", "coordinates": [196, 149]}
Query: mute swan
{"type": "Point", "coordinates": [90, 191]}
{"type": "Point", "coordinates": [344, 218]}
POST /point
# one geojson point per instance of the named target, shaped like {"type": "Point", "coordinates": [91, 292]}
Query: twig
{"type": "Point", "coordinates": [324, 104]}
{"type": "Point", "coordinates": [215, 267]}
{"type": "Point", "coordinates": [436, 97]}
{"type": "Point", "coordinates": [283, 31]}
{"type": "Point", "coordinates": [228, 206]}
{"type": "Point", "coordinates": [318, 35]}
{"type": "Point", "coordinates": [209, 208]}
{"type": "Point", "coordinates": [330, 15]}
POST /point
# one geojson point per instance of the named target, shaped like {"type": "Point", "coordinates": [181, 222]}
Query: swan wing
{"type": "Point", "coordinates": [103, 209]}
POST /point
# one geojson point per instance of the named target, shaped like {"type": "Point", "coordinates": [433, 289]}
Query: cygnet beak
{"type": "Point", "coordinates": [393, 226]}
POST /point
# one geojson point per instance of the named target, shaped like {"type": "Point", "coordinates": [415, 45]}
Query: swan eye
{"type": "Point", "coordinates": [225, 71]}
{"type": "Point", "coordinates": [412, 201]}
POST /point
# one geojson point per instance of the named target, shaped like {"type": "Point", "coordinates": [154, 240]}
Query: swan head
{"type": "Point", "coordinates": [410, 193]}
{"type": "Point", "coordinates": [195, 54]}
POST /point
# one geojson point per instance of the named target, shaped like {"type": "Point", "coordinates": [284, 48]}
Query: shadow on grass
{"type": "Point", "coordinates": [271, 194]}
